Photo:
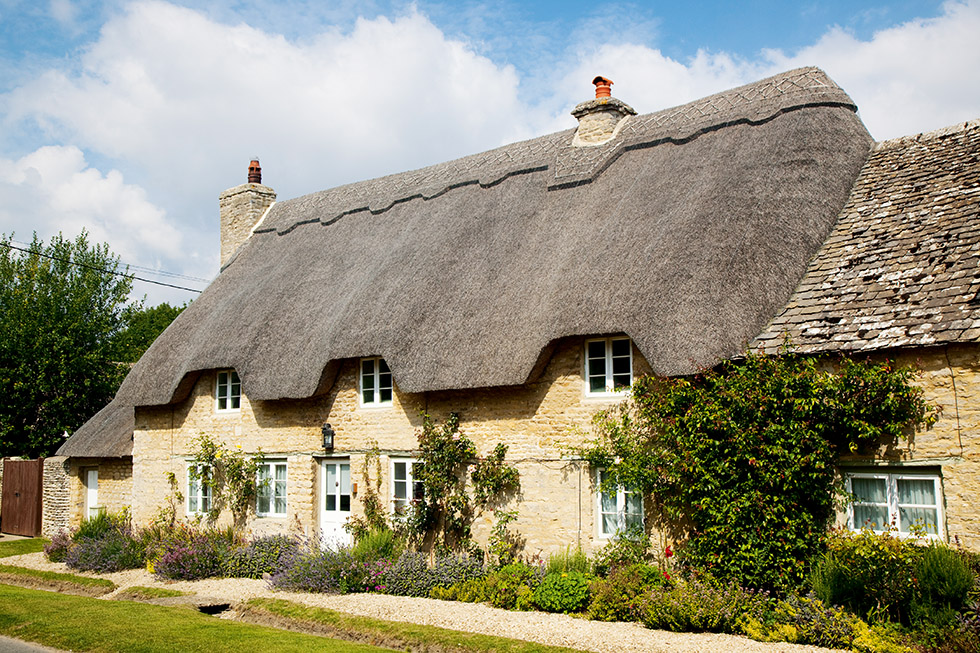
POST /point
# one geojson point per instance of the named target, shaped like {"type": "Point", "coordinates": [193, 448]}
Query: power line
{"type": "Point", "coordinates": [162, 273]}
{"type": "Point", "coordinates": [98, 269]}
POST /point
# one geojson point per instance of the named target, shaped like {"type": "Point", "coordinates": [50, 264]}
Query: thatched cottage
{"type": "Point", "coordinates": [522, 287]}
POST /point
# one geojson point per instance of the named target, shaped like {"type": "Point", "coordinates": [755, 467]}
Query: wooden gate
{"type": "Point", "coordinates": [20, 510]}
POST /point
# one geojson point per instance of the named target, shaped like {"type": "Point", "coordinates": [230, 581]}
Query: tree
{"type": "Point", "coordinates": [143, 326]}
{"type": "Point", "coordinates": [61, 312]}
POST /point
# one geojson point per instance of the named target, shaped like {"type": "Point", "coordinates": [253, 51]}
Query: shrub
{"type": "Point", "coordinates": [264, 555]}
{"type": "Point", "coordinates": [628, 548]}
{"type": "Point", "coordinates": [113, 551]}
{"type": "Point", "coordinates": [512, 586]}
{"type": "Point", "coordinates": [616, 598]}
{"type": "Point", "coordinates": [58, 547]}
{"type": "Point", "coordinates": [944, 580]}
{"type": "Point", "coordinates": [328, 571]}
{"type": "Point", "coordinates": [377, 544]}
{"type": "Point", "coordinates": [701, 604]}
{"type": "Point", "coordinates": [562, 592]}
{"type": "Point", "coordinates": [202, 555]}
{"type": "Point", "coordinates": [411, 575]}
{"type": "Point", "coordinates": [868, 573]}
{"type": "Point", "coordinates": [803, 621]}
{"type": "Point", "coordinates": [568, 560]}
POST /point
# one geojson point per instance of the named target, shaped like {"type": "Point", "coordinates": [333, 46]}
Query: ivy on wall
{"type": "Point", "coordinates": [742, 458]}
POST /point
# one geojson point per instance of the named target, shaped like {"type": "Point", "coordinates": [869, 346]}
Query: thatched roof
{"type": "Point", "coordinates": [687, 232]}
{"type": "Point", "coordinates": [109, 434]}
{"type": "Point", "coordinates": [901, 266]}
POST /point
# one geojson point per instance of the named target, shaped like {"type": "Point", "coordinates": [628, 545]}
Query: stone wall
{"type": "Point", "coordinates": [538, 421]}
{"type": "Point", "coordinates": [115, 485]}
{"type": "Point", "coordinates": [950, 378]}
{"type": "Point", "coordinates": [56, 502]}
{"type": "Point", "coordinates": [240, 209]}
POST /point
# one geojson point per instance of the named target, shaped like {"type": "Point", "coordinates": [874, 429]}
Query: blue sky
{"type": "Point", "coordinates": [128, 118]}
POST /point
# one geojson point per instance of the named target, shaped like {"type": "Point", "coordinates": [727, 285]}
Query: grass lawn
{"type": "Point", "coordinates": [19, 547]}
{"type": "Point", "coordinates": [86, 624]}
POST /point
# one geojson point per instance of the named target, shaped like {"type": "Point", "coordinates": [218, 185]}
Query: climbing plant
{"type": "Point", "coordinates": [230, 475]}
{"type": "Point", "coordinates": [744, 456]}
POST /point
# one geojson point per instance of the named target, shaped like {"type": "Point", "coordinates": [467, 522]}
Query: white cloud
{"type": "Point", "coordinates": [54, 190]}
{"type": "Point", "coordinates": [914, 77]}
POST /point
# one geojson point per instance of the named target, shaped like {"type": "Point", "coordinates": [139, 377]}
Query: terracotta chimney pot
{"type": "Point", "coordinates": [603, 87]}
{"type": "Point", "coordinates": [254, 172]}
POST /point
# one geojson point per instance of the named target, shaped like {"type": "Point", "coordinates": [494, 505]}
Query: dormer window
{"type": "Point", "coordinates": [228, 392]}
{"type": "Point", "coordinates": [608, 366]}
{"type": "Point", "coordinates": [376, 385]}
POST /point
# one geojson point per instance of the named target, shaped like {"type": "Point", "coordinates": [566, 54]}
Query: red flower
{"type": "Point", "coordinates": [668, 552]}
{"type": "Point", "coordinates": [666, 575]}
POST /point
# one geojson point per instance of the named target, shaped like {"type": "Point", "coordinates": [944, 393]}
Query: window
{"type": "Point", "coordinates": [909, 501]}
{"type": "Point", "coordinates": [270, 491]}
{"type": "Point", "coordinates": [404, 487]}
{"type": "Point", "coordinates": [92, 507]}
{"type": "Point", "coordinates": [375, 382]}
{"type": "Point", "coordinates": [198, 490]}
{"type": "Point", "coordinates": [619, 510]}
{"type": "Point", "coordinates": [228, 391]}
{"type": "Point", "coordinates": [608, 365]}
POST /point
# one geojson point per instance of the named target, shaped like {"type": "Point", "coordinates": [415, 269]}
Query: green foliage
{"type": "Point", "coordinates": [511, 587]}
{"type": "Point", "coordinates": [142, 326]}
{"type": "Point", "coordinates": [617, 597]}
{"type": "Point", "coordinates": [568, 560]}
{"type": "Point", "coordinates": [701, 605]}
{"type": "Point", "coordinates": [502, 544]}
{"type": "Point", "coordinates": [944, 579]}
{"type": "Point", "coordinates": [870, 574]}
{"type": "Point", "coordinates": [263, 555]}
{"type": "Point", "coordinates": [231, 475]}
{"type": "Point", "coordinates": [445, 513]}
{"type": "Point", "coordinates": [378, 544]}
{"type": "Point", "coordinates": [744, 455]}
{"type": "Point", "coordinates": [562, 592]}
{"type": "Point", "coordinates": [803, 621]}
{"type": "Point", "coordinates": [492, 478]}
{"type": "Point", "coordinates": [375, 516]}
{"type": "Point", "coordinates": [627, 548]}
{"type": "Point", "coordinates": [61, 312]}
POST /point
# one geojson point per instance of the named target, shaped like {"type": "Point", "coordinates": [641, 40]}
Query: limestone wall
{"type": "Point", "coordinates": [950, 378]}
{"type": "Point", "coordinates": [56, 502]}
{"type": "Point", "coordinates": [115, 485]}
{"type": "Point", "coordinates": [538, 421]}
{"type": "Point", "coordinates": [240, 208]}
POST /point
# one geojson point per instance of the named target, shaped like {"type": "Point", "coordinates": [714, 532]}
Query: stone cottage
{"type": "Point", "coordinates": [524, 287]}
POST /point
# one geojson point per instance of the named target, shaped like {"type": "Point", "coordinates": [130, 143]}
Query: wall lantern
{"type": "Point", "coordinates": [328, 434]}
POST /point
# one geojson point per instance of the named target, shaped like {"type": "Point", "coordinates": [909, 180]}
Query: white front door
{"type": "Point", "coordinates": [334, 502]}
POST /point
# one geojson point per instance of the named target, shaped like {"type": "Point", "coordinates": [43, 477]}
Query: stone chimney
{"type": "Point", "coordinates": [241, 208]}
{"type": "Point", "coordinates": [599, 120]}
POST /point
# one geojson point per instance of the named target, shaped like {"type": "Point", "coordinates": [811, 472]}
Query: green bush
{"type": "Point", "coordinates": [568, 560]}
{"type": "Point", "coordinates": [511, 587]}
{"type": "Point", "coordinates": [264, 555]}
{"type": "Point", "coordinates": [803, 621]}
{"type": "Point", "coordinates": [701, 605]}
{"type": "Point", "coordinates": [870, 574]}
{"type": "Point", "coordinates": [377, 544]}
{"type": "Point", "coordinates": [944, 580]}
{"type": "Point", "coordinates": [562, 592]}
{"type": "Point", "coordinates": [617, 597]}
{"type": "Point", "coordinates": [628, 548]}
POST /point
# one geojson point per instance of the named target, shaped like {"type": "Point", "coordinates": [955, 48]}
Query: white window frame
{"type": "Point", "coordinates": [892, 504]}
{"type": "Point", "coordinates": [377, 389]}
{"type": "Point", "coordinates": [621, 513]}
{"type": "Point", "coordinates": [265, 486]}
{"type": "Point", "coordinates": [610, 389]}
{"type": "Point", "coordinates": [226, 392]}
{"type": "Point", "coordinates": [412, 487]}
{"type": "Point", "coordinates": [198, 493]}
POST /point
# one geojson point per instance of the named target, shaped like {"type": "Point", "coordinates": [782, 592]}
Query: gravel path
{"type": "Point", "coordinates": [544, 628]}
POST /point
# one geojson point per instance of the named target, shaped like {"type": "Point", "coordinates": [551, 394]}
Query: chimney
{"type": "Point", "coordinates": [599, 120]}
{"type": "Point", "coordinates": [241, 208]}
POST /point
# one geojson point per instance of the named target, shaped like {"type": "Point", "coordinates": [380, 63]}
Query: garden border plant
{"type": "Point", "coordinates": [232, 477]}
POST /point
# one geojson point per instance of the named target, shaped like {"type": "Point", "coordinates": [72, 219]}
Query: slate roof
{"type": "Point", "coordinates": [687, 232]}
{"type": "Point", "coordinates": [902, 265]}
